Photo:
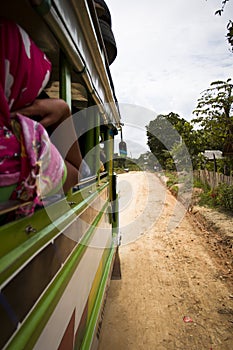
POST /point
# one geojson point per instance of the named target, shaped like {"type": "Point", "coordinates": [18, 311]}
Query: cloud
{"type": "Point", "coordinates": [168, 52]}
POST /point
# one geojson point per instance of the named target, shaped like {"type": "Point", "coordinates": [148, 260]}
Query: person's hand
{"type": "Point", "coordinates": [51, 111]}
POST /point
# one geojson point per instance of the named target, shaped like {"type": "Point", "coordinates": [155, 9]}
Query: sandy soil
{"type": "Point", "coordinates": [176, 290]}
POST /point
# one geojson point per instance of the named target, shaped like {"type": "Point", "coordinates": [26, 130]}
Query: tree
{"type": "Point", "coordinates": [214, 113]}
{"type": "Point", "coordinates": [229, 25]}
{"type": "Point", "coordinates": [146, 161]}
{"type": "Point", "coordinates": [161, 136]}
{"type": "Point", "coordinates": [165, 133]}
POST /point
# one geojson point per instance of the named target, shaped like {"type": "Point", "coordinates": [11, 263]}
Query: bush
{"type": "Point", "coordinates": [174, 190]}
{"type": "Point", "coordinates": [172, 179]}
{"type": "Point", "coordinates": [198, 183]}
{"type": "Point", "coordinates": [221, 196]}
{"type": "Point", "coordinates": [207, 199]}
{"type": "Point", "coordinates": [224, 196]}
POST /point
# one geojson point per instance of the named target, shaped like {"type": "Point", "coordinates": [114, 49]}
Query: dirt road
{"type": "Point", "coordinates": [175, 292]}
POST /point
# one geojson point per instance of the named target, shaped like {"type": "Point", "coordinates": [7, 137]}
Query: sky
{"type": "Point", "coordinates": [168, 53]}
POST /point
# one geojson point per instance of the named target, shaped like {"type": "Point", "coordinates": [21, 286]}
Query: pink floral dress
{"type": "Point", "coordinates": [28, 159]}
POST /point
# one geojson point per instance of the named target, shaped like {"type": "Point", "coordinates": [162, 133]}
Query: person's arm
{"type": "Point", "coordinates": [49, 111]}
{"type": "Point", "coordinates": [52, 113]}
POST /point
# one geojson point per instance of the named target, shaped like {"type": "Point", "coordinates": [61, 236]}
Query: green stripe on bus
{"type": "Point", "coordinates": [15, 258]}
{"type": "Point", "coordinates": [89, 335]}
{"type": "Point", "coordinates": [96, 282]}
{"type": "Point", "coordinates": [13, 234]}
{"type": "Point", "coordinates": [36, 321]}
{"type": "Point", "coordinates": [83, 325]}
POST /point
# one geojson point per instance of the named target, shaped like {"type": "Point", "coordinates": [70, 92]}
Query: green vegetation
{"type": "Point", "coordinates": [176, 143]}
{"type": "Point", "coordinates": [221, 197]}
{"type": "Point", "coordinates": [214, 116]}
{"type": "Point", "coordinates": [225, 196]}
{"type": "Point", "coordinates": [207, 198]}
{"type": "Point", "coordinates": [172, 179]}
{"type": "Point", "coordinates": [170, 139]}
{"type": "Point", "coordinates": [126, 164]}
{"type": "Point", "coordinates": [229, 35]}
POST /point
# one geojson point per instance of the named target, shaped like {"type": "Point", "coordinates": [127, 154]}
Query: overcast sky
{"type": "Point", "coordinates": [168, 53]}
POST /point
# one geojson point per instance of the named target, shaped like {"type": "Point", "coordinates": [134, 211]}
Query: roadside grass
{"type": "Point", "coordinates": [220, 198]}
